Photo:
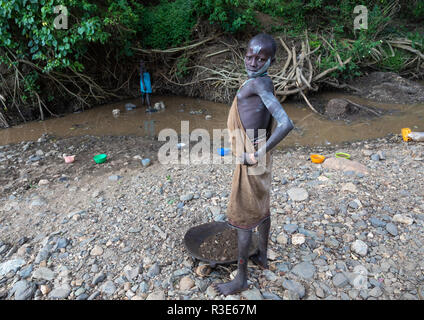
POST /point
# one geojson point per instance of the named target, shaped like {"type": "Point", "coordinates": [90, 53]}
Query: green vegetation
{"type": "Point", "coordinates": [102, 33]}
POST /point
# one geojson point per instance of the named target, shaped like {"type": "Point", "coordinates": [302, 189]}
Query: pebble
{"type": "Point", "coordinates": [61, 292]}
{"type": "Point", "coordinates": [186, 197]}
{"type": "Point", "coordinates": [359, 247]}
{"type": "Point", "coordinates": [43, 254]}
{"type": "Point", "coordinates": [298, 194]}
{"type": "Point", "coordinates": [94, 295]}
{"type": "Point", "coordinates": [377, 222]}
{"type": "Point", "coordinates": [210, 291]}
{"type": "Point", "coordinates": [375, 292]}
{"type": "Point", "coordinates": [43, 182]}
{"type": "Point", "coordinates": [11, 266]}
{"type": "Point", "coordinates": [45, 289]}
{"type": "Point", "coordinates": [208, 194]}
{"type": "Point", "coordinates": [340, 280]}
{"type": "Point", "coordinates": [403, 219]}
{"type": "Point", "coordinates": [153, 271]}
{"type": "Point", "coordinates": [96, 251]}
{"type": "Point", "coordinates": [331, 243]}
{"type": "Point", "coordinates": [304, 270]}
{"type": "Point", "coordinates": [23, 290]}
{"type": "Point", "coordinates": [252, 294]}
{"type": "Point", "coordinates": [392, 229]}
{"type": "Point", "coordinates": [295, 287]}
{"type": "Point", "coordinates": [82, 296]}
{"type": "Point", "coordinates": [298, 239]}
{"type": "Point", "coordinates": [26, 272]}
{"type": "Point", "coordinates": [98, 278]}
{"type": "Point", "coordinates": [269, 275]}
{"type": "Point", "coordinates": [114, 178]}
{"type": "Point", "coordinates": [186, 283]}
{"type": "Point", "coordinates": [290, 228]}
{"type": "Point", "coordinates": [34, 158]}
{"type": "Point", "coordinates": [270, 296]}
{"type": "Point", "coordinates": [79, 291]}
{"type": "Point", "coordinates": [355, 204]}
{"type": "Point", "coordinates": [156, 295]}
{"type": "Point", "coordinates": [349, 187]}
{"type": "Point", "coordinates": [203, 270]}
{"type": "Point", "coordinates": [282, 267]}
{"type": "Point", "coordinates": [108, 288]}
{"type": "Point", "coordinates": [44, 274]}
{"type": "Point", "coordinates": [282, 239]}
{"type": "Point", "coordinates": [319, 293]}
{"type": "Point", "coordinates": [131, 273]}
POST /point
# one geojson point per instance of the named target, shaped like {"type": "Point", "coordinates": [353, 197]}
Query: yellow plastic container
{"type": "Point", "coordinates": [405, 132]}
{"type": "Point", "coordinates": [317, 158]}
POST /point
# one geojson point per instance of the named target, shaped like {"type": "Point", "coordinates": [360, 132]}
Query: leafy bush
{"type": "Point", "coordinates": [231, 15]}
{"type": "Point", "coordinates": [168, 24]}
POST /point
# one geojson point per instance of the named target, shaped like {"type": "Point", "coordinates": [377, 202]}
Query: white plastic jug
{"type": "Point", "coordinates": [416, 136]}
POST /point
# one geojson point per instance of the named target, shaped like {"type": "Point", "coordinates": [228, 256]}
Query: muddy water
{"type": "Point", "coordinates": [311, 129]}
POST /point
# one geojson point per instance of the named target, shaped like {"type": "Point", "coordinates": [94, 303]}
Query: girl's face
{"type": "Point", "coordinates": [257, 58]}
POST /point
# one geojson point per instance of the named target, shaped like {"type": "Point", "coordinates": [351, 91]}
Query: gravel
{"type": "Point", "coordinates": [86, 237]}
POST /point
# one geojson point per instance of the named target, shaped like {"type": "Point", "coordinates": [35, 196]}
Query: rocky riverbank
{"type": "Point", "coordinates": [340, 230]}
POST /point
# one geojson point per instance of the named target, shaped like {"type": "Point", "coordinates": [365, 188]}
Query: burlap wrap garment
{"type": "Point", "coordinates": [250, 191]}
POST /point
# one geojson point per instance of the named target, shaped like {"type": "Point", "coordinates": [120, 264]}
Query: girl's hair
{"type": "Point", "coordinates": [266, 38]}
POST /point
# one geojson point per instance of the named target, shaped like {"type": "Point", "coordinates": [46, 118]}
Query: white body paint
{"type": "Point", "coordinates": [260, 71]}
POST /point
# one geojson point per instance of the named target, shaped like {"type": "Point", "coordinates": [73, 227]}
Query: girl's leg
{"type": "Point", "coordinates": [148, 100]}
{"type": "Point", "coordinates": [261, 258]}
{"type": "Point", "coordinates": [240, 281]}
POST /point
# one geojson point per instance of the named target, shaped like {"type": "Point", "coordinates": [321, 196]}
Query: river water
{"type": "Point", "coordinates": [311, 129]}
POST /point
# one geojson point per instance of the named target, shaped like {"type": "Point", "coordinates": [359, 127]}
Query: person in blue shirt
{"type": "Point", "coordinates": [145, 87]}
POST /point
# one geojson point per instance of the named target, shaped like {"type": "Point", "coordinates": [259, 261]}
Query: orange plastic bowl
{"type": "Point", "coordinates": [317, 158]}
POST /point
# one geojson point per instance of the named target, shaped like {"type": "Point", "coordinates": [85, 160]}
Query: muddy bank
{"type": "Point", "coordinates": [389, 87]}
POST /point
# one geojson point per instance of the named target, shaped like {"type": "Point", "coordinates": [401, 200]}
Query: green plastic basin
{"type": "Point", "coordinates": [100, 158]}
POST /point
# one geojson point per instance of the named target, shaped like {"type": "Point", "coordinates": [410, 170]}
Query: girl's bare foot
{"type": "Point", "coordinates": [232, 287]}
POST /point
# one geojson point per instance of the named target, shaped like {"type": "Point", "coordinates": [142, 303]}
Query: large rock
{"type": "Point", "coordinates": [338, 108]}
{"type": "Point", "coordinates": [344, 165]}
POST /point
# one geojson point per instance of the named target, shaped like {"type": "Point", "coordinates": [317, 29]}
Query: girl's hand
{"type": "Point", "coordinates": [248, 159]}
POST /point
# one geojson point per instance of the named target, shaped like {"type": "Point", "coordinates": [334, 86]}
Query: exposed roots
{"type": "Point", "coordinates": [302, 69]}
